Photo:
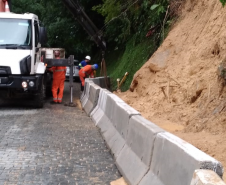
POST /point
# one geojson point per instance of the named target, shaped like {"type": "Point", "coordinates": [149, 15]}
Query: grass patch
{"type": "Point", "coordinates": [130, 60]}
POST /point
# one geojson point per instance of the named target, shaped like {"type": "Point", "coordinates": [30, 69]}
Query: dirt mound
{"type": "Point", "coordinates": [178, 87]}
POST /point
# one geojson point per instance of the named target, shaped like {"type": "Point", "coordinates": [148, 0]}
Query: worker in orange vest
{"type": "Point", "coordinates": [87, 71]}
{"type": "Point", "coordinates": [58, 80]}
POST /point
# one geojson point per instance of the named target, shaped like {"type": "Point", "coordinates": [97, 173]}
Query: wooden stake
{"type": "Point", "coordinates": [163, 91]}
{"type": "Point", "coordinates": [167, 90]}
{"type": "Point", "coordinates": [208, 93]}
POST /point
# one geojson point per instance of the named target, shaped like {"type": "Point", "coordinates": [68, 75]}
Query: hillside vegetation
{"type": "Point", "coordinates": [133, 30]}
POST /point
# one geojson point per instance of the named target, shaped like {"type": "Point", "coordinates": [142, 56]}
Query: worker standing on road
{"type": "Point", "coordinates": [58, 80]}
{"type": "Point", "coordinates": [84, 62]}
{"type": "Point", "coordinates": [87, 71]}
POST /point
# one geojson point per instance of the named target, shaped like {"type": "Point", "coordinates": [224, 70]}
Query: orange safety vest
{"type": "Point", "coordinates": [58, 72]}
{"type": "Point", "coordinates": [87, 71]}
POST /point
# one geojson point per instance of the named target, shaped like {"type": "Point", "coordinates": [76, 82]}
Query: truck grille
{"type": "Point", "coordinates": [4, 71]}
{"type": "Point", "coordinates": [4, 80]}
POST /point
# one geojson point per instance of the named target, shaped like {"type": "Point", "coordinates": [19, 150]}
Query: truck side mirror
{"type": "Point", "coordinates": [42, 35]}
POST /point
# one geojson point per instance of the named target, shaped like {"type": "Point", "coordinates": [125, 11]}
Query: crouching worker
{"type": "Point", "coordinates": [58, 81]}
{"type": "Point", "coordinates": [87, 71]}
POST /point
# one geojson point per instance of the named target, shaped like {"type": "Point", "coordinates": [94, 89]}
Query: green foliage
{"type": "Point", "coordinates": [131, 48]}
{"type": "Point", "coordinates": [63, 30]}
{"type": "Point", "coordinates": [160, 8]}
{"type": "Point", "coordinates": [133, 30]}
{"type": "Point", "coordinates": [109, 9]}
{"type": "Point", "coordinates": [223, 2]}
{"type": "Point", "coordinates": [133, 17]}
{"type": "Point", "coordinates": [128, 60]}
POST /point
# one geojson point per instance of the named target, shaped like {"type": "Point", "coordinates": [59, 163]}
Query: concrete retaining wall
{"type": "Point", "coordinates": [92, 98]}
{"type": "Point", "coordinates": [135, 158]}
{"type": "Point", "coordinates": [85, 94]}
{"type": "Point", "coordinates": [144, 153]}
{"type": "Point", "coordinates": [174, 161]}
{"type": "Point", "coordinates": [102, 82]}
{"type": "Point", "coordinates": [115, 121]}
{"type": "Point", "coordinates": [98, 111]}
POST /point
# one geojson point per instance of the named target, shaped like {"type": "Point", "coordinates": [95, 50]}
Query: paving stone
{"type": "Point", "coordinates": [55, 145]}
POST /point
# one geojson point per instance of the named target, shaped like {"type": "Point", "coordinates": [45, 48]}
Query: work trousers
{"type": "Point", "coordinates": [82, 83]}
{"type": "Point", "coordinates": [82, 79]}
{"type": "Point", "coordinates": [58, 84]}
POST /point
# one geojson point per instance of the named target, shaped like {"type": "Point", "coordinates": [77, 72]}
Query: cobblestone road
{"type": "Point", "coordinates": [51, 146]}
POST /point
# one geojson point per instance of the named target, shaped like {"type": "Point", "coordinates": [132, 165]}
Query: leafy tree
{"type": "Point", "coordinates": [133, 17]}
{"type": "Point", "coordinates": [63, 30]}
{"type": "Point", "coordinates": [223, 2]}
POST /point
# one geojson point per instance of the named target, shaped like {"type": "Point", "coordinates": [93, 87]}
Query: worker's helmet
{"type": "Point", "coordinates": [88, 57]}
{"type": "Point", "coordinates": [95, 66]}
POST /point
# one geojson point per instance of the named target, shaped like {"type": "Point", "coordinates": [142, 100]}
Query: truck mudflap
{"type": "Point", "coordinates": [27, 83]}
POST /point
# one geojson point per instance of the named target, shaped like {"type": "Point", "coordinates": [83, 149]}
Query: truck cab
{"type": "Point", "coordinates": [22, 72]}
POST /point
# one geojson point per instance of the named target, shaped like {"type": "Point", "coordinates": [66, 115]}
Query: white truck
{"type": "Point", "coordinates": [22, 73]}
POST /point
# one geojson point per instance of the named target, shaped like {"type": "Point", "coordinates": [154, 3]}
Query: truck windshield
{"type": "Point", "coordinates": [15, 33]}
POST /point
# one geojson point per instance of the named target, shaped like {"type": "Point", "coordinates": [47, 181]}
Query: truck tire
{"type": "Point", "coordinates": [49, 81]}
{"type": "Point", "coordinates": [40, 97]}
{"type": "Point", "coordinates": [49, 91]}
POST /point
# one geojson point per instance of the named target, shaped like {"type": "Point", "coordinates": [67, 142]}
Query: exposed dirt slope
{"type": "Point", "coordinates": [178, 88]}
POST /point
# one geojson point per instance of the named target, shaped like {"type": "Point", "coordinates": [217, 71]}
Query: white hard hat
{"type": "Point", "coordinates": [88, 57]}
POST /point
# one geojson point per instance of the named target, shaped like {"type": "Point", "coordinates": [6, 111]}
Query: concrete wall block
{"type": "Point", "coordinates": [107, 130]}
{"type": "Point", "coordinates": [121, 114]}
{"type": "Point", "coordinates": [103, 82]}
{"type": "Point", "coordinates": [206, 177]}
{"type": "Point", "coordinates": [116, 143]}
{"type": "Point", "coordinates": [93, 98]}
{"type": "Point", "coordinates": [95, 80]}
{"type": "Point", "coordinates": [151, 178]}
{"type": "Point", "coordinates": [141, 137]}
{"type": "Point", "coordinates": [98, 112]}
{"type": "Point", "coordinates": [113, 139]}
{"type": "Point", "coordinates": [86, 93]}
{"type": "Point", "coordinates": [175, 160]}
{"type": "Point", "coordinates": [111, 104]}
{"type": "Point", "coordinates": [107, 107]}
{"type": "Point", "coordinates": [130, 166]}
{"type": "Point", "coordinates": [135, 158]}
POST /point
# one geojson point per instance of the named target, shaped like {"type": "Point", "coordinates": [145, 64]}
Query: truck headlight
{"type": "Point", "coordinates": [31, 84]}
{"type": "Point", "coordinates": [24, 84]}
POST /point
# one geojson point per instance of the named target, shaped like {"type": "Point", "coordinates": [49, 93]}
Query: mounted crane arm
{"type": "Point", "coordinates": [76, 9]}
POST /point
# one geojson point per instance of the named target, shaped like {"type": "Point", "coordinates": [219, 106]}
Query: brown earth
{"type": "Point", "coordinates": [178, 87]}
{"type": "Point", "coordinates": [120, 181]}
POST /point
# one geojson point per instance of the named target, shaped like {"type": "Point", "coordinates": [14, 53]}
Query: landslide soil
{"type": "Point", "coordinates": [178, 87]}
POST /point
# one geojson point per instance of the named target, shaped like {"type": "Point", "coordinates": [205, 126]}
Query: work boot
{"type": "Point", "coordinates": [82, 88]}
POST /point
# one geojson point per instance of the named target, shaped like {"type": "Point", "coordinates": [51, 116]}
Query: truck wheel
{"type": "Point", "coordinates": [49, 81]}
{"type": "Point", "coordinates": [49, 91]}
{"type": "Point", "coordinates": [40, 96]}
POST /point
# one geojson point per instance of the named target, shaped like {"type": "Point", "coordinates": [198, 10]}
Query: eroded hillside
{"type": "Point", "coordinates": [178, 87]}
